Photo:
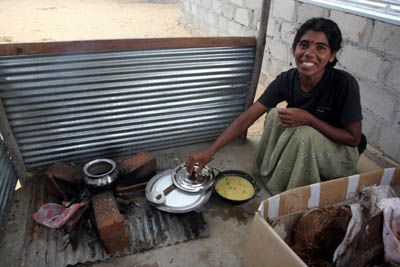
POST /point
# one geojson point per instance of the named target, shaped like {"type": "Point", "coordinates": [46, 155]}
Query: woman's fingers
{"type": "Point", "coordinates": [190, 163]}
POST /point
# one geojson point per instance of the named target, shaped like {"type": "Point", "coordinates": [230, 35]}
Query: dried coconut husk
{"type": "Point", "coordinates": [318, 233]}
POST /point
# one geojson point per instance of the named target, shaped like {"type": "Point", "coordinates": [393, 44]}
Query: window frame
{"type": "Point", "coordinates": [385, 10]}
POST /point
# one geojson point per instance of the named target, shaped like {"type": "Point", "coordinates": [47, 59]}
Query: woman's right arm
{"type": "Point", "coordinates": [238, 126]}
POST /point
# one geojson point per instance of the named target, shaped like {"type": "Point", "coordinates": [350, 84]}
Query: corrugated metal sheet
{"type": "Point", "coordinates": [7, 183]}
{"type": "Point", "coordinates": [77, 106]}
{"type": "Point", "coordinates": [147, 227]}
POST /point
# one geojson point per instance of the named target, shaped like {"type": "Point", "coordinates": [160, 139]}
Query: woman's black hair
{"type": "Point", "coordinates": [328, 27]}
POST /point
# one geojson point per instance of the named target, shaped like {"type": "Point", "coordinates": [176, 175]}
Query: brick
{"type": "Point", "coordinates": [65, 172]}
{"type": "Point", "coordinates": [109, 221]}
{"type": "Point", "coordinates": [138, 168]}
{"type": "Point", "coordinates": [116, 244]}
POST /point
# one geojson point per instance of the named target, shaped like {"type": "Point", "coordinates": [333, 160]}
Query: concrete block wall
{"type": "Point", "coordinates": [370, 52]}
{"type": "Point", "coordinates": [221, 17]}
{"type": "Point", "coordinates": [154, 1]}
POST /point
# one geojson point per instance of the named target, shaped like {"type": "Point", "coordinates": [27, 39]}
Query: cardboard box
{"type": "Point", "coordinates": [264, 247]}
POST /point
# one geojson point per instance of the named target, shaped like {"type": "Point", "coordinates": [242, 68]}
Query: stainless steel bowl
{"type": "Point", "coordinates": [186, 182]}
{"type": "Point", "coordinates": [100, 172]}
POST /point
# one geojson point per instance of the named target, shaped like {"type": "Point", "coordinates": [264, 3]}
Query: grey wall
{"type": "Point", "coordinates": [370, 52]}
{"type": "Point", "coordinates": [153, 1]}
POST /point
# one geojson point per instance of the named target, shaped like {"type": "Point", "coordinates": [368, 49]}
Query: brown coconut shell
{"type": "Point", "coordinates": [319, 232]}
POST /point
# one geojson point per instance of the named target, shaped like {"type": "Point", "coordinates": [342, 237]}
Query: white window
{"type": "Point", "coordinates": [384, 10]}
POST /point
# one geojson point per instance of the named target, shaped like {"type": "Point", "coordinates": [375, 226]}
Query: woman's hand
{"type": "Point", "coordinates": [202, 158]}
{"type": "Point", "coordinates": [293, 117]}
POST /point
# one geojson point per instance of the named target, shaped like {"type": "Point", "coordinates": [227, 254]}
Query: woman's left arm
{"type": "Point", "coordinates": [293, 117]}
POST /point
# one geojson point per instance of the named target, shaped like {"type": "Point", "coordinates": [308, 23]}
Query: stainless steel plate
{"type": "Point", "coordinates": [182, 179]}
{"type": "Point", "coordinates": [178, 201]}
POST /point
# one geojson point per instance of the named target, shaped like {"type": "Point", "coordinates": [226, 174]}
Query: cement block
{"type": "Point", "coordinates": [228, 10]}
{"type": "Point", "coordinates": [222, 24]}
{"type": "Point", "coordinates": [353, 27]}
{"type": "Point", "coordinates": [253, 4]}
{"type": "Point", "coordinates": [271, 27]}
{"type": "Point", "coordinates": [307, 11]}
{"type": "Point", "coordinates": [371, 125]}
{"type": "Point", "coordinates": [284, 9]}
{"type": "Point", "coordinates": [272, 67]}
{"type": "Point", "coordinates": [217, 6]}
{"type": "Point", "coordinates": [393, 78]}
{"type": "Point", "coordinates": [278, 49]}
{"type": "Point", "coordinates": [194, 11]}
{"type": "Point", "coordinates": [208, 4]}
{"type": "Point", "coordinates": [243, 16]}
{"type": "Point", "coordinates": [397, 118]}
{"type": "Point", "coordinates": [212, 31]}
{"type": "Point", "coordinates": [377, 99]}
{"type": "Point", "coordinates": [186, 6]}
{"type": "Point", "coordinates": [237, 2]}
{"type": "Point", "coordinates": [363, 63]}
{"type": "Point", "coordinates": [235, 29]}
{"type": "Point", "coordinates": [212, 19]}
{"type": "Point", "coordinates": [389, 142]}
{"type": "Point", "coordinates": [288, 31]}
{"type": "Point", "coordinates": [386, 38]}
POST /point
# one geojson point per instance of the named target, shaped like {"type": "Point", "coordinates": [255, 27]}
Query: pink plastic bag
{"type": "Point", "coordinates": [391, 228]}
{"type": "Point", "coordinates": [55, 215]}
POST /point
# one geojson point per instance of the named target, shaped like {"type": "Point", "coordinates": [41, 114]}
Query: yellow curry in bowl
{"type": "Point", "coordinates": [235, 188]}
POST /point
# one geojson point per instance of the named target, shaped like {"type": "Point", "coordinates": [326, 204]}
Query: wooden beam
{"type": "Point", "coordinates": [260, 47]}
{"type": "Point", "coordinates": [11, 145]}
{"type": "Point", "coordinates": [121, 44]}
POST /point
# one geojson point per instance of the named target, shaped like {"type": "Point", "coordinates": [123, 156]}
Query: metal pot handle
{"type": "Point", "coordinates": [213, 170]}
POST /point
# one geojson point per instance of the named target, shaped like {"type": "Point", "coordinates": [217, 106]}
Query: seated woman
{"type": "Point", "coordinates": [315, 137]}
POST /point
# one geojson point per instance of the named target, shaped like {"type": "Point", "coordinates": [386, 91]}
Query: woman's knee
{"type": "Point", "coordinates": [309, 132]}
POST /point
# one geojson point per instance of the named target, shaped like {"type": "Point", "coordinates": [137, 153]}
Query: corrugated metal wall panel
{"type": "Point", "coordinates": [8, 181]}
{"type": "Point", "coordinates": [77, 106]}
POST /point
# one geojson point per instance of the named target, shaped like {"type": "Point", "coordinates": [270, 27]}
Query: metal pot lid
{"type": "Point", "coordinates": [177, 201]}
{"type": "Point", "coordinates": [183, 180]}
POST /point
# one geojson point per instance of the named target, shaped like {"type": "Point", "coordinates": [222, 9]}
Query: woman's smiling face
{"type": "Point", "coordinates": [312, 54]}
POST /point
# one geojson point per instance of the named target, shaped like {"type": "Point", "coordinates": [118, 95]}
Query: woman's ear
{"type": "Point", "coordinates": [333, 56]}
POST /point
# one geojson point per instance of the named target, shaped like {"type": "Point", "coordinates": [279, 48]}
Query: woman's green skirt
{"type": "Point", "coordinates": [298, 156]}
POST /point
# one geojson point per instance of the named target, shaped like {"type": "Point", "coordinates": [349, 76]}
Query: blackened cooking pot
{"type": "Point", "coordinates": [238, 174]}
